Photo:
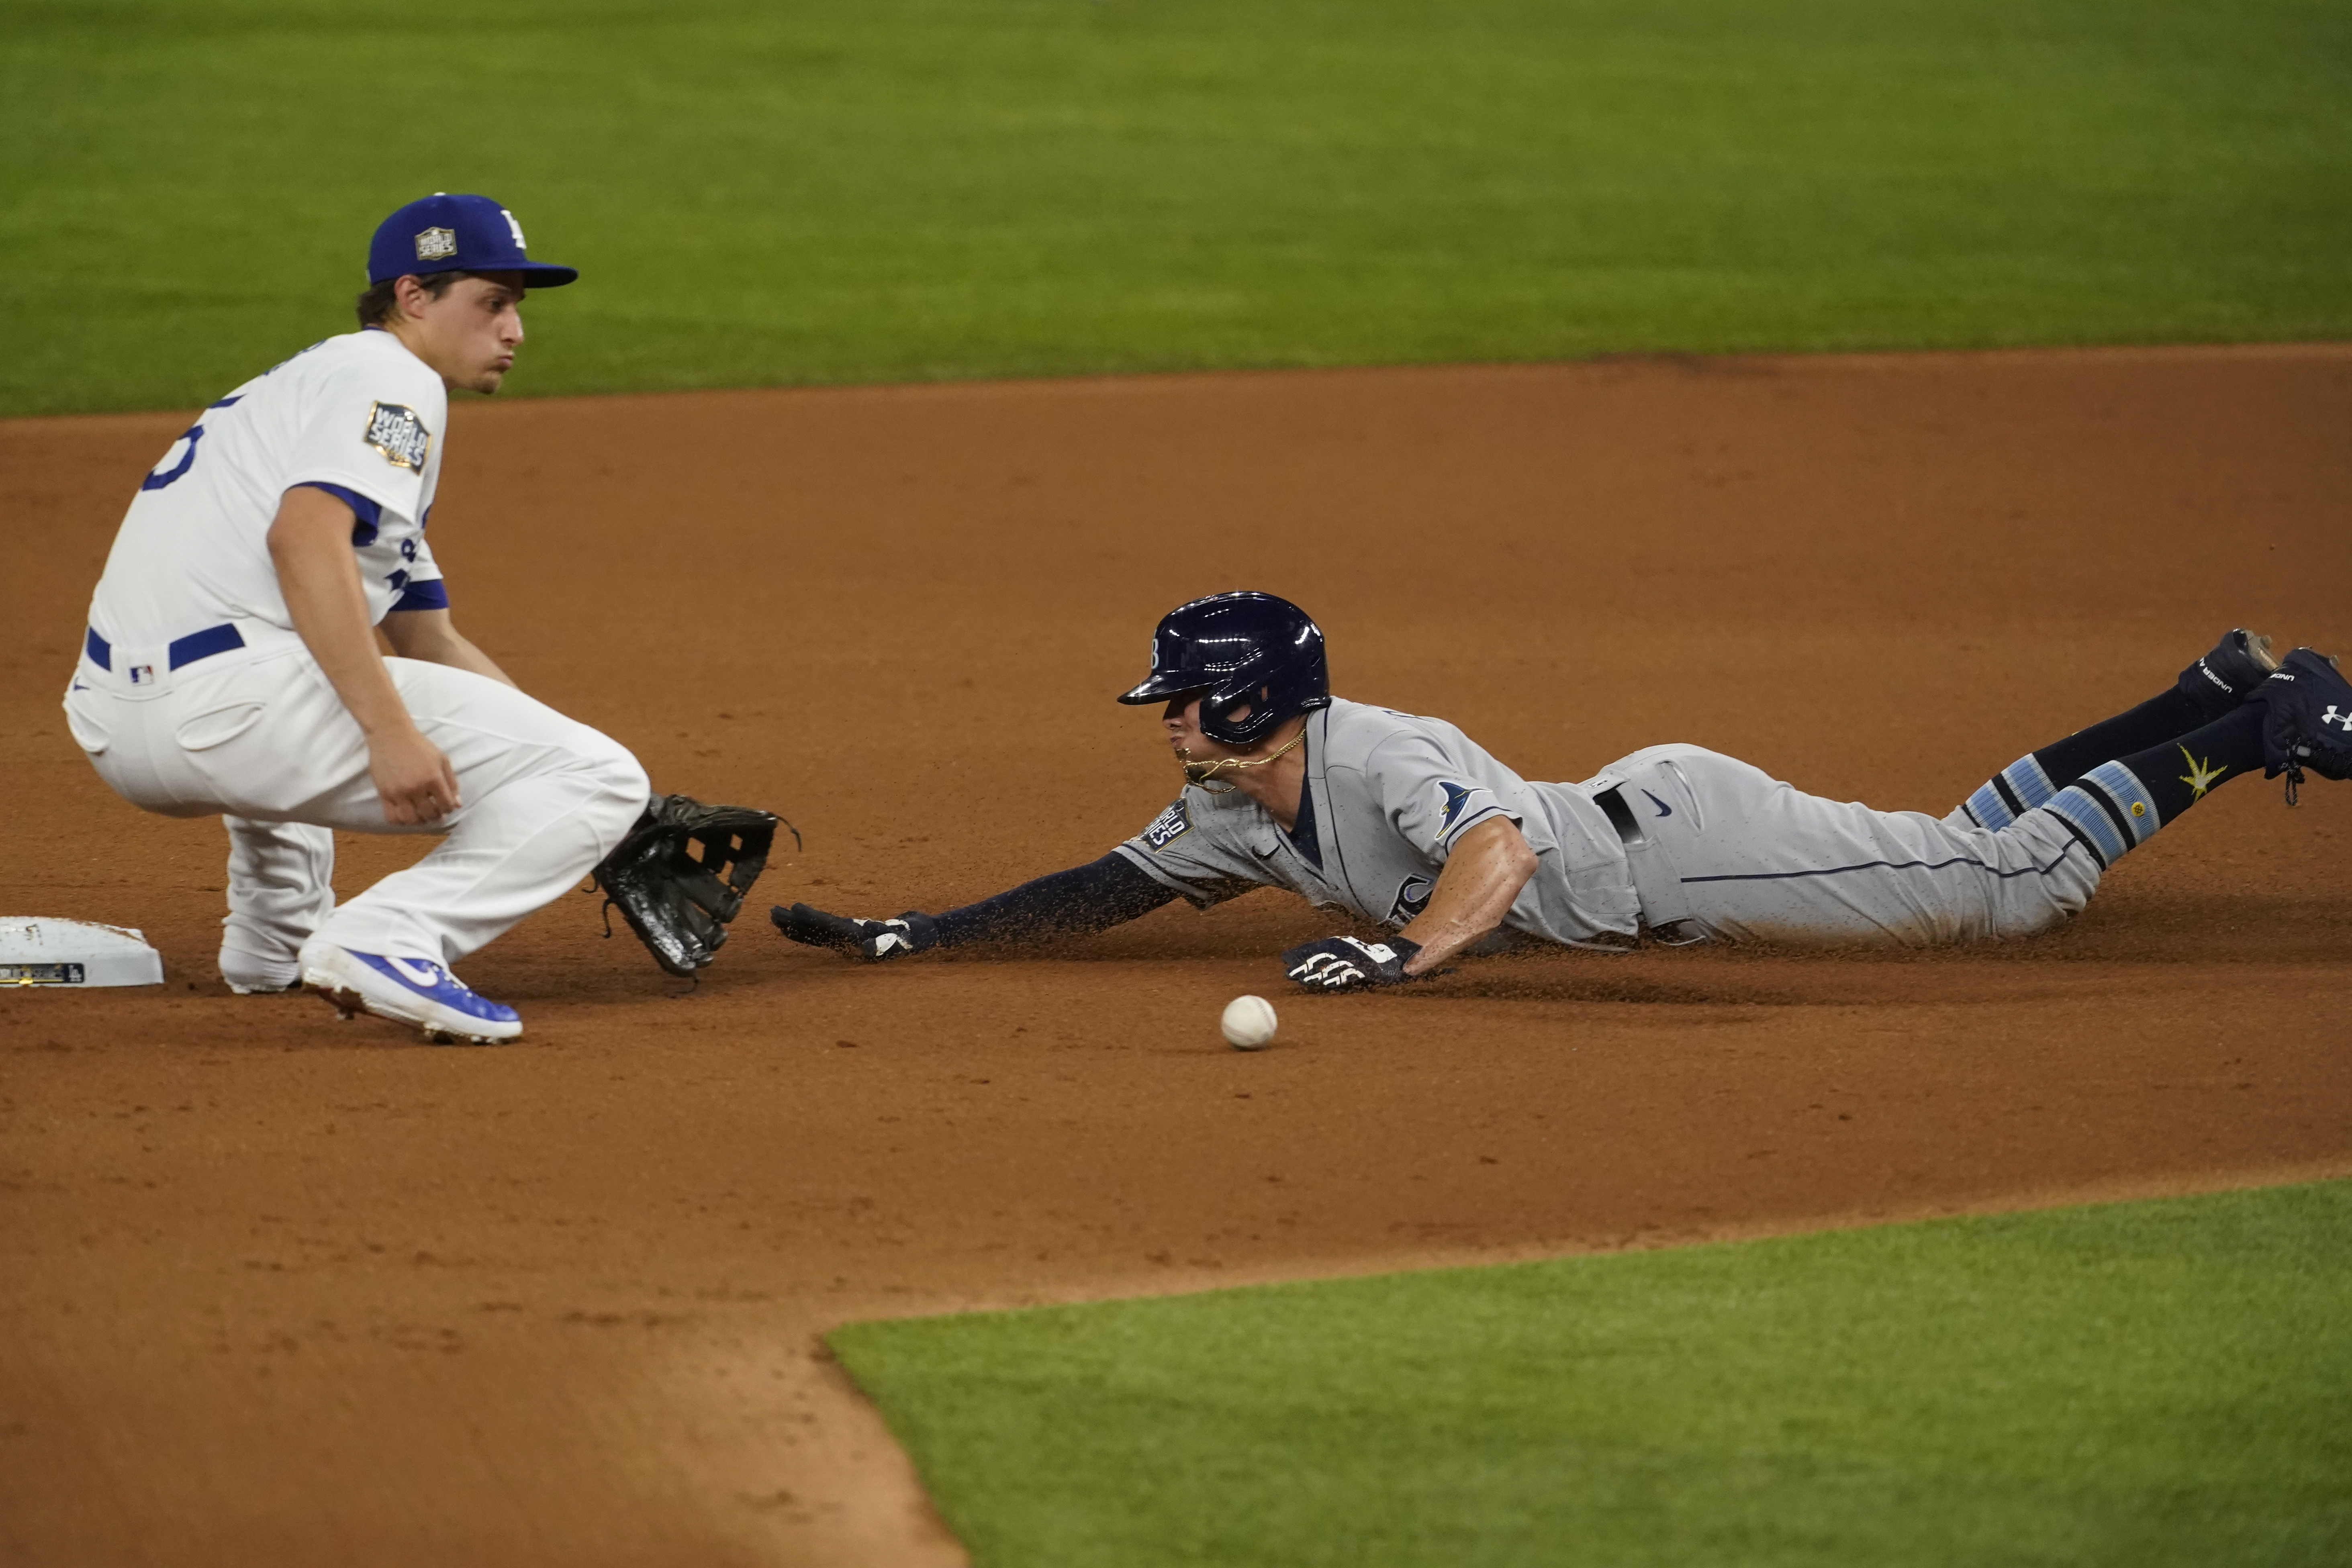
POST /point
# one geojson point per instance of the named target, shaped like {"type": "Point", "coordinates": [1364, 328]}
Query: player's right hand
{"type": "Point", "coordinates": [873, 940]}
{"type": "Point", "coordinates": [413, 778]}
{"type": "Point", "coordinates": [1349, 963]}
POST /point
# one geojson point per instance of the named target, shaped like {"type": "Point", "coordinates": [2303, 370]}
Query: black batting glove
{"type": "Point", "coordinates": [872, 940]}
{"type": "Point", "coordinates": [1346, 963]}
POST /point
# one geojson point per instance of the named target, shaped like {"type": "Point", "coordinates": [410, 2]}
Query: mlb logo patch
{"type": "Point", "coordinates": [396, 432]}
{"type": "Point", "coordinates": [1169, 826]}
{"type": "Point", "coordinates": [437, 244]}
{"type": "Point", "coordinates": [143, 675]}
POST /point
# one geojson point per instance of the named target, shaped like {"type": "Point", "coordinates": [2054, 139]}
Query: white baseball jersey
{"type": "Point", "coordinates": [358, 415]}
{"type": "Point", "coordinates": [1388, 796]}
{"type": "Point", "coordinates": [193, 695]}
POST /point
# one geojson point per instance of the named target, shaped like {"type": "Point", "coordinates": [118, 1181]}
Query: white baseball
{"type": "Point", "coordinates": [1248, 1024]}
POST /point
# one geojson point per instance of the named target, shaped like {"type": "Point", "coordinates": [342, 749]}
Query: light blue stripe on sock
{"type": "Point", "coordinates": [2123, 787]}
{"type": "Point", "coordinates": [1989, 808]}
{"type": "Point", "coordinates": [2032, 785]}
{"type": "Point", "coordinates": [2092, 819]}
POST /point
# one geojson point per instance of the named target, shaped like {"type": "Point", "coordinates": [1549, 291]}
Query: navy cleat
{"type": "Point", "coordinates": [2309, 720]}
{"type": "Point", "coordinates": [407, 991]}
{"type": "Point", "coordinates": [2240, 663]}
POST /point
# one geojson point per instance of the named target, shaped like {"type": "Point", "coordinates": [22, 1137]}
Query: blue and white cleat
{"type": "Point", "coordinates": [407, 991]}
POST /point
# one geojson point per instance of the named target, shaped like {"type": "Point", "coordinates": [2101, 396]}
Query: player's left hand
{"type": "Point", "coordinates": [1349, 963]}
{"type": "Point", "coordinates": [872, 940]}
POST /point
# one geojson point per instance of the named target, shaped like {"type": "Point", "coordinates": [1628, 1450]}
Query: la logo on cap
{"type": "Point", "coordinates": [437, 244]}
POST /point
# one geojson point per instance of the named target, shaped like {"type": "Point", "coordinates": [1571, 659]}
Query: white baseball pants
{"type": "Point", "coordinates": [260, 736]}
{"type": "Point", "coordinates": [1748, 858]}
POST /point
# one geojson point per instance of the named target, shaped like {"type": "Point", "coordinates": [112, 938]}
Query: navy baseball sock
{"type": "Point", "coordinates": [2119, 805]}
{"type": "Point", "coordinates": [2206, 692]}
{"type": "Point", "coordinates": [2035, 778]}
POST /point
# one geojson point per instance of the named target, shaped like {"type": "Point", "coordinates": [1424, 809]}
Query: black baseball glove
{"type": "Point", "coordinates": [872, 940]}
{"type": "Point", "coordinates": [680, 876]}
{"type": "Point", "coordinates": [1347, 963]}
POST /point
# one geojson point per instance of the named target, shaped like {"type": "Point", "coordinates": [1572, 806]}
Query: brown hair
{"type": "Point", "coordinates": [377, 305]}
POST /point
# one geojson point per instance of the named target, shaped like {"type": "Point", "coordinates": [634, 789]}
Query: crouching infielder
{"type": "Point", "coordinates": [1407, 822]}
{"type": "Point", "coordinates": [230, 666]}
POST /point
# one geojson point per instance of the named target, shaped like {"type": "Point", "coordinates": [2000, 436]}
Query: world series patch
{"type": "Point", "coordinates": [399, 434]}
{"type": "Point", "coordinates": [1167, 826]}
{"type": "Point", "coordinates": [435, 244]}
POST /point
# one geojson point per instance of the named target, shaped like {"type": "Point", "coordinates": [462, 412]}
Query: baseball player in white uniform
{"type": "Point", "coordinates": [230, 666]}
{"type": "Point", "coordinates": [1405, 823]}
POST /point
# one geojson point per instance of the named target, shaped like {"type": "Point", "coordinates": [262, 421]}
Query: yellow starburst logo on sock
{"type": "Point", "coordinates": [2200, 776]}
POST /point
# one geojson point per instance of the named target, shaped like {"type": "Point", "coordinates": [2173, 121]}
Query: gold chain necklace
{"type": "Point", "coordinates": [1201, 773]}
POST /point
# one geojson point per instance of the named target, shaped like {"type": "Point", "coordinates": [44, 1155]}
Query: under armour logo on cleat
{"type": "Point", "coordinates": [2332, 716]}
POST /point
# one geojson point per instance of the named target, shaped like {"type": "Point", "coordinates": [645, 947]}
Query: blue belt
{"type": "Point", "coordinates": [185, 650]}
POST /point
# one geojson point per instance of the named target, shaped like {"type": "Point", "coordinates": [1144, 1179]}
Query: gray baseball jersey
{"type": "Point", "coordinates": [1388, 797]}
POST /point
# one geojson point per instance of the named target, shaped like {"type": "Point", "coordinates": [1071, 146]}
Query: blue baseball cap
{"type": "Point", "coordinates": [456, 233]}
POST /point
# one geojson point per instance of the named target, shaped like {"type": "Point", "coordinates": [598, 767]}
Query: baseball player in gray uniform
{"type": "Point", "coordinates": [1406, 822]}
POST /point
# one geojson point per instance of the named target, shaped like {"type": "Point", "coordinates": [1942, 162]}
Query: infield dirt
{"type": "Point", "coordinates": [279, 1289]}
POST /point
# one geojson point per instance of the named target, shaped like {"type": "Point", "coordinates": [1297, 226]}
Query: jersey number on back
{"type": "Point", "coordinates": [194, 432]}
{"type": "Point", "coordinates": [162, 477]}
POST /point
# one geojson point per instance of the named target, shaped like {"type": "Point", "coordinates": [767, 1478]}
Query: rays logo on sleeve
{"type": "Point", "coordinates": [1167, 826]}
{"type": "Point", "coordinates": [394, 430]}
{"type": "Point", "coordinates": [1456, 796]}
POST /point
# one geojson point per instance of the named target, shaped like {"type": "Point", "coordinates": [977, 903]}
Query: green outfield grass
{"type": "Point", "coordinates": [2142, 1384]}
{"type": "Point", "coordinates": [773, 193]}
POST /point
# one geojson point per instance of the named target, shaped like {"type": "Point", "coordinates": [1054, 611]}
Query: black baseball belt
{"type": "Point", "coordinates": [1659, 886]}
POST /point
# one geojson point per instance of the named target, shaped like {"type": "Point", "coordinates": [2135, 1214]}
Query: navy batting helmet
{"type": "Point", "coordinates": [1241, 651]}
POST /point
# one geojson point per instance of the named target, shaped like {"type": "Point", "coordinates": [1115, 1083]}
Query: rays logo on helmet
{"type": "Point", "coordinates": [1169, 826]}
{"type": "Point", "coordinates": [1412, 898]}
{"type": "Point", "coordinates": [394, 430]}
{"type": "Point", "coordinates": [435, 244]}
